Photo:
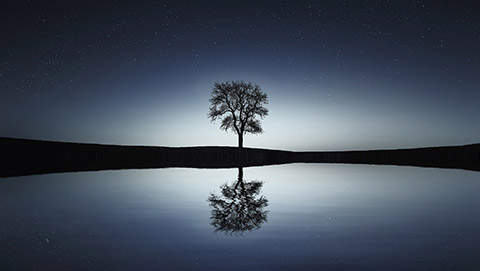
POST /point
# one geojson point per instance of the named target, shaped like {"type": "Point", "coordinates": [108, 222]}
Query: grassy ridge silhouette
{"type": "Point", "coordinates": [27, 157]}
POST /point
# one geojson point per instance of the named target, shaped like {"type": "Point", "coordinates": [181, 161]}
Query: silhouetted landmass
{"type": "Point", "coordinates": [27, 157]}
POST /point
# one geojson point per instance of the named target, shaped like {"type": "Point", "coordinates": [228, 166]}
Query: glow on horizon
{"type": "Point", "coordinates": [304, 115]}
{"type": "Point", "coordinates": [313, 121]}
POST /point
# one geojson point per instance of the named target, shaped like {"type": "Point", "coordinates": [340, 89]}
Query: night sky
{"type": "Point", "coordinates": [339, 74]}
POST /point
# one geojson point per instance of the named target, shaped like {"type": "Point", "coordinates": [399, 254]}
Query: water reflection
{"type": "Point", "coordinates": [239, 208]}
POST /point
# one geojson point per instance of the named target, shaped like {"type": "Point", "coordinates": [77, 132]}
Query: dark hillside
{"type": "Point", "coordinates": [461, 157]}
{"type": "Point", "coordinates": [26, 157]}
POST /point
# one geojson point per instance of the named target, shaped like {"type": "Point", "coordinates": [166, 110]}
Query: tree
{"type": "Point", "coordinates": [239, 208]}
{"type": "Point", "coordinates": [238, 105]}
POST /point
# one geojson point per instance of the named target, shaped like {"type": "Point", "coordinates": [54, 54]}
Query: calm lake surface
{"type": "Point", "coordinates": [305, 217]}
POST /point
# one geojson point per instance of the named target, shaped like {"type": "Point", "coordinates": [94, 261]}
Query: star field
{"type": "Point", "coordinates": [339, 74]}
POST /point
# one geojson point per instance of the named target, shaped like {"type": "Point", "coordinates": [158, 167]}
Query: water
{"type": "Point", "coordinates": [331, 217]}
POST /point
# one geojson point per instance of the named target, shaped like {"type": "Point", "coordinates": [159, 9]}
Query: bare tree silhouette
{"type": "Point", "coordinates": [238, 104]}
{"type": "Point", "coordinates": [238, 209]}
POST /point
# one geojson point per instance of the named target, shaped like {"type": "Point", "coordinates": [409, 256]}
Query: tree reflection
{"type": "Point", "coordinates": [238, 208]}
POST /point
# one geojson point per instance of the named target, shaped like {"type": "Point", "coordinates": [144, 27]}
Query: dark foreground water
{"type": "Point", "coordinates": [296, 217]}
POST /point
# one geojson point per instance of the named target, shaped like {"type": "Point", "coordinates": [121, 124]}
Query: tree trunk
{"type": "Point", "coordinates": [240, 174]}
{"type": "Point", "coordinates": [240, 140]}
{"type": "Point", "coordinates": [240, 178]}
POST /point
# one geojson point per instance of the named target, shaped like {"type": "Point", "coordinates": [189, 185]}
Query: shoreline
{"type": "Point", "coordinates": [28, 157]}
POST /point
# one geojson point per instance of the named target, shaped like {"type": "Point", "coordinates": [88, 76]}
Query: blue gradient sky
{"type": "Point", "coordinates": [339, 74]}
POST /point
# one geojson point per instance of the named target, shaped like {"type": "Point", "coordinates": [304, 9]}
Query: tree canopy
{"type": "Point", "coordinates": [239, 106]}
{"type": "Point", "coordinates": [239, 208]}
